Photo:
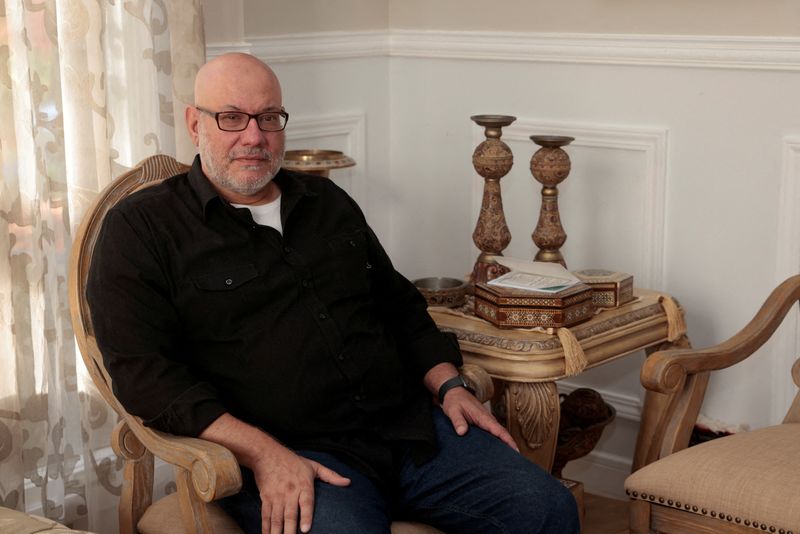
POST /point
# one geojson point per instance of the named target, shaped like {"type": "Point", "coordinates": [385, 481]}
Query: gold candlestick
{"type": "Point", "coordinates": [492, 159]}
{"type": "Point", "coordinates": [550, 165]}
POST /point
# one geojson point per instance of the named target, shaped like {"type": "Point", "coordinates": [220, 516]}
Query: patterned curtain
{"type": "Point", "coordinates": [87, 89]}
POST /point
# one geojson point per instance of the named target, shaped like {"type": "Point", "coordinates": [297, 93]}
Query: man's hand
{"type": "Point", "coordinates": [285, 480]}
{"type": "Point", "coordinates": [464, 409]}
{"type": "Point", "coordinates": [286, 484]}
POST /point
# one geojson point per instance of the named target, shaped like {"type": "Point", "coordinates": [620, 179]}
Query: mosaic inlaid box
{"type": "Point", "coordinates": [609, 288]}
{"type": "Point", "coordinates": [509, 308]}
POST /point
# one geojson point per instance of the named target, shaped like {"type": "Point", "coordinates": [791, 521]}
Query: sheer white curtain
{"type": "Point", "coordinates": [87, 89]}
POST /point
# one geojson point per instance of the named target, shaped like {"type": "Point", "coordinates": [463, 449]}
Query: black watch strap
{"type": "Point", "coordinates": [455, 382]}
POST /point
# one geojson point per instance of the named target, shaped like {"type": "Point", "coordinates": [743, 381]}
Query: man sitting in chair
{"type": "Point", "coordinates": [254, 307]}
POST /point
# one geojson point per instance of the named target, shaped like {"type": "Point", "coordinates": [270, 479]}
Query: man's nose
{"type": "Point", "coordinates": [252, 134]}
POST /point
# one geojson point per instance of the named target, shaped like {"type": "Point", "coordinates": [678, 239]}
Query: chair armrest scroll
{"type": "Point", "coordinates": [213, 469]}
{"type": "Point", "coordinates": [666, 371]}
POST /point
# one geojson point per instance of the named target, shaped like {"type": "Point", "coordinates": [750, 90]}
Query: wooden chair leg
{"type": "Point", "coordinates": [137, 485]}
{"type": "Point", "coordinates": [639, 517]}
{"type": "Point", "coordinates": [193, 509]}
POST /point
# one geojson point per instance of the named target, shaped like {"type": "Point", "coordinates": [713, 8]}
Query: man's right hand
{"type": "Point", "coordinates": [286, 484]}
{"type": "Point", "coordinates": [285, 480]}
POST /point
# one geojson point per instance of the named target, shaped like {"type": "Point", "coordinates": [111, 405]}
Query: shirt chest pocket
{"type": "Point", "coordinates": [221, 302]}
{"type": "Point", "coordinates": [228, 280]}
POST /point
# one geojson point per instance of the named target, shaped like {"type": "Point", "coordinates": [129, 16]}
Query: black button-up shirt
{"type": "Point", "coordinates": [312, 336]}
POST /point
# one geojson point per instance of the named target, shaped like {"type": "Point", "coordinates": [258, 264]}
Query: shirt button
{"type": "Point", "coordinates": [228, 282]}
{"type": "Point", "coordinates": [323, 316]}
{"type": "Point", "coordinates": [340, 357]}
{"type": "Point", "coordinates": [352, 243]}
{"type": "Point", "coordinates": [305, 282]}
{"type": "Point", "coordinates": [369, 265]}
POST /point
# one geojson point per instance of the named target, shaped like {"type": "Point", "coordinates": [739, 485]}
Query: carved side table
{"type": "Point", "coordinates": [526, 364]}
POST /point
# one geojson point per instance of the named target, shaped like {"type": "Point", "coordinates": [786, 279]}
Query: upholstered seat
{"type": "Point", "coordinates": [742, 483]}
{"type": "Point", "coordinates": [729, 479]}
{"type": "Point", "coordinates": [204, 471]}
{"type": "Point", "coordinates": [164, 516]}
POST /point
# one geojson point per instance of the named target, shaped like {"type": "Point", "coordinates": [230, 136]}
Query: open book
{"type": "Point", "coordinates": [534, 275]}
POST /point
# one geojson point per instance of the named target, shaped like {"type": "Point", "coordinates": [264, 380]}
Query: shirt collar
{"type": "Point", "coordinates": [291, 186]}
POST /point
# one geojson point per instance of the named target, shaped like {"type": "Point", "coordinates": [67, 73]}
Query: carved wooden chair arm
{"type": "Point", "coordinates": [666, 371]}
{"type": "Point", "coordinates": [212, 469]}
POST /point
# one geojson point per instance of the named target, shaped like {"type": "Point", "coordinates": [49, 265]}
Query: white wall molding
{"type": "Point", "coordinates": [751, 53]}
{"type": "Point", "coordinates": [217, 49]}
{"type": "Point", "coordinates": [320, 45]}
{"type": "Point", "coordinates": [350, 126]}
{"type": "Point", "coordinates": [775, 53]}
{"type": "Point", "coordinates": [652, 143]}
{"type": "Point", "coordinates": [602, 473]}
{"type": "Point", "coordinates": [785, 345]}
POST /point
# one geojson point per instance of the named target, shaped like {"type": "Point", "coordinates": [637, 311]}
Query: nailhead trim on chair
{"type": "Point", "coordinates": [717, 515]}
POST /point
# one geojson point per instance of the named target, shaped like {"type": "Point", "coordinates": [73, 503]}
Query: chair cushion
{"type": "Point", "coordinates": [164, 517]}
{"type": "Point", "coordinates": [749, 478]}
{"type": "Point", "coordinates": [16, 522]}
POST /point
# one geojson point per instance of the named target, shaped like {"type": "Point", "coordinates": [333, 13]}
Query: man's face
{"type": "Point", "coordinates": [242, 162]}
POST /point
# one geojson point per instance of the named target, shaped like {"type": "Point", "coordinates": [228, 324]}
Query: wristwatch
{"type": "Point", "coordinates": [455, 382]}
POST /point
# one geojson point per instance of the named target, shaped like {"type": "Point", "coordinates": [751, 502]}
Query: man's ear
{"type": "Point", "coordinates": [192, 123]}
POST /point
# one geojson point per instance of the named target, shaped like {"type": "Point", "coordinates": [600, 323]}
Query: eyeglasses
{"type": "Point", "coordinates": [236, 121]}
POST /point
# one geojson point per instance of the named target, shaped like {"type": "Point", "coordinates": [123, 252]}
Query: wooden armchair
{"type": "Point", "coordinates": [204, 471]}
{"type": "Point", "coordinates": [742, 483]}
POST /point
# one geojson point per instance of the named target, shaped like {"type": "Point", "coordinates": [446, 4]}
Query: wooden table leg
{"type": "Point", "coordinates": [531, 413]}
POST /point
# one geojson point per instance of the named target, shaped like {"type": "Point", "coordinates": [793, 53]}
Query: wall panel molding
{"type": "Point", "coordinates": [716, 52]}
{"type": "Point", "coordinates": [352, 128]}
{"type": "Point", "coordinates": [652, 143]}
{"type": "Point", "coordinates": [785, 346]}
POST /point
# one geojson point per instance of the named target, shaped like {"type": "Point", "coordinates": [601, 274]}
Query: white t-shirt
{"type": "Point", "coordinates": [266, 214]}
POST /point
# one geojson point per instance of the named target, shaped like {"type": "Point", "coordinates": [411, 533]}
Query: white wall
{"type": "Point", "coordinates": [675, 17]}
{"type": "Point", "coordinates": [686, 167]}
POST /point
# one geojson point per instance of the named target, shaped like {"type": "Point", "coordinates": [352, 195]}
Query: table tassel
{"type": "Point", "coordinates": [676, 326]}
{"type": "Point", "coordinates": [574, 358]}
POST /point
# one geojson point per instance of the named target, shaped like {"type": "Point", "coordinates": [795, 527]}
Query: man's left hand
{"type": "Point", "coordinates": [464, 409]}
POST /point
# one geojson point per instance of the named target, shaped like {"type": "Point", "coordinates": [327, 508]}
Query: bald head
{"type": "Point", "coordinates": [229, 75]}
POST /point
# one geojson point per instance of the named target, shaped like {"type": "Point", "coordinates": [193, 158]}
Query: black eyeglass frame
{"type": "Point", "coordinates": [250, 117]}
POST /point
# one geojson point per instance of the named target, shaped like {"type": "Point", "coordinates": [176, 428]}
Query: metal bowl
{"type": "Point", "coordinates": [448, 292]}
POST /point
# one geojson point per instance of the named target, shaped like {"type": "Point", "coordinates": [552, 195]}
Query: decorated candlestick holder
{"type": "Point", "coordinates": [550, 165]}
{"type": "Point", "coordinates": [492, 159]}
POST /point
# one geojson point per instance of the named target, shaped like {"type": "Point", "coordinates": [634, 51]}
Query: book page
{"type": "Point", "coordinates": [540, 268]}
{"type": "Point", "coordinates": [532, 282]}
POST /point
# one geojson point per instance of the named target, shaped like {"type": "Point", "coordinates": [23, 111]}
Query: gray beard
{"type": "Point", "coordinates": [227, 182]}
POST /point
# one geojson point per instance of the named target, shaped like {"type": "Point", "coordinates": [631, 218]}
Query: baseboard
{"type": "Point", "coordinates": [602, 473]}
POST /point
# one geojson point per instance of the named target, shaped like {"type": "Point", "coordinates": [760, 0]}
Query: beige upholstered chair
{"type": "Point", "coordinates": [743, 483]}
{"type": "Point", "coordinates": [204, 471]}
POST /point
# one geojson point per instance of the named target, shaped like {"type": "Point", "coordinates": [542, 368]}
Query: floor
{"type": "Point", "coordinates": [604, 515]}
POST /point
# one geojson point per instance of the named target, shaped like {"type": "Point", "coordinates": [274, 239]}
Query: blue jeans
{"type": "Point", "coordinates": [475, 483]}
